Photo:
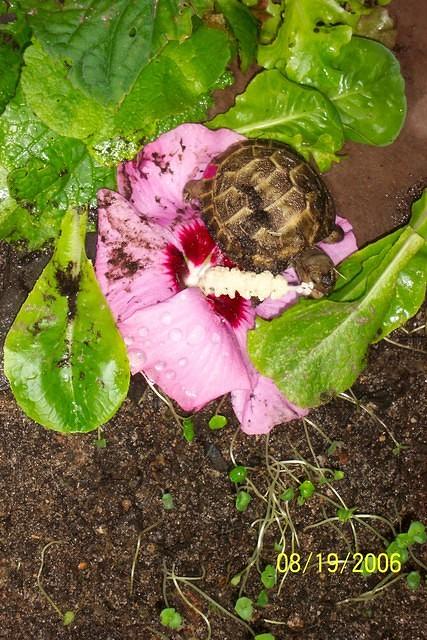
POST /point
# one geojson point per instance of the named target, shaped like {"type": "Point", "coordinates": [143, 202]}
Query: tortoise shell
{"type": "Point", "coordinates": [264, 204]}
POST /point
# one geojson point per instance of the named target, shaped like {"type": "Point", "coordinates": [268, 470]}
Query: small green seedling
{"type": "Point", "coordinates": [171, 618]}
{"type": "Point", "coordinates": [244, 608]}
{"type": "Point", "coordinates": [268, 576]}
{"type": "Point", "coordinates": [265, 636]}
{"type": "Point", "coordinates": [417, 532]}
{"type": "Point", "coordinates": [167, 500]}
{"type": "Point", "coordinates": [262, 600]}
{"type": "Point", "coordinates": [345, 515]}
{"type": "Point", "coordinates": [243, 499]}
{"type": "Point", "coordinates": [100, 442]}
{"type": "Point", "coordinates": [235, 580]}
{"type": "Point", "coordinates": [338, 474]}
{"type": "Point", "coordinates": [217, 422]}
{"type": "Point", "coordinates": [68, 618]}
{"type": "Point", "coordinates": [287, 495]}
{"type": "Point", "coordinates": [238, 474]}
{"type": "Point", "coordinates": [413, 580]}
{"type": "Point", "coordinates": [188, 430]}
{"type": "Point", "coordinates": [306, 490]}
{"type": "Point", "coordinates": [336, 444]}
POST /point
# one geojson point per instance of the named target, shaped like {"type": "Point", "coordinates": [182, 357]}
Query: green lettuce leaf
{"type": "Point", "coordinates": [310, 37]}
{"type": "Point", "coordinates": [274, 107]}
{"type": "Point", "coordinates": [10, 66]}
{"type": "Point", "coordinates": [244, 27]}
{"type": "Point", "coordinates": [105, 44]}
{"type": "Point", "coordinates": [368, 90]}
{"type": "Point", "coordinates": [315, 46]}
{"type": "Point", "coordinates": [175, 88]}
{"type": "Point", "coordinates": [63, 356]}
{"type": "Point", "coordinates": [317, 349]}
{"type": "Point", "coordinates": [41, 175]}
{"type": "Point", "coordinates": [57, 102]}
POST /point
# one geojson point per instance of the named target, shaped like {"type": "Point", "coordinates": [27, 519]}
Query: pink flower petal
{"type": "Point", "coordinates": [155, 180]}
{"type": "Point", "coordinates": [337, 252]}
{"type": "Point", "coordinates": [264, 407]}
{"type": "Point", "coordinates": [130, 257]}
{"type": "Point", "coordinates": [348, 245]}
{"type": "Point", "coordinates": [186, 348]}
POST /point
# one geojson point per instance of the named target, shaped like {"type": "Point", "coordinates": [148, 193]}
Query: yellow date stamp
{"type": "Point", "coordinates": [364, 564]}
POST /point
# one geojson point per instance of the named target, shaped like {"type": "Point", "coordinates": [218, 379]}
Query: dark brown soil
{"type": "Point", "coordinates": [96, 501]}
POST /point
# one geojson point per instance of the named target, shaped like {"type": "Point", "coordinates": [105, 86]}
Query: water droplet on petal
{"type": "Point", "coordinates": [175, 335]}
{"type": "Point", "coordinates": [159, 366]}
{"type": "Point", "coordinates": [190, 394]}
{"type": "Point", "coordinates": [196, 335]}
{"type": "Point", "coordinates": [166, 318]}
{"type": "Point", "coordinates": [137, 359]}
{"type": "Point", "coordinates": [128, 341]}
{"type": "Point", "coordinates": [183, 362]}
{"type": "Point", "coordinates": [216, 338]}
{"type": "Point", "coordinates": [170, 375]}
{"type": "Point", "coordinates": [143, 332]}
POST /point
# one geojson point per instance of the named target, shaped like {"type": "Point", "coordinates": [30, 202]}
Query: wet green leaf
{"type": "Point", "coordinates": [42, 174]}
{"type": "Point", "coordinates": [274, 107]}
{"type": "Point", "coordinates": [64, 357]}
{"type": "Point", "coordinates": [315, 46]}
{"type": "Point", "coordinates": [318, 347]}
{"type": "Point", "coordinates": [244, 27]}
{"type": "Point", "coordinates": [190, 70]}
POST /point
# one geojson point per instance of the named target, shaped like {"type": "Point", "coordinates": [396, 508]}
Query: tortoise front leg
{"type": "Point", "coordinates": [313, 265]}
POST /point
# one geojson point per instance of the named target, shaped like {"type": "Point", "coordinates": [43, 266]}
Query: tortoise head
{"type": "Point", "coordinates": [313, 265]}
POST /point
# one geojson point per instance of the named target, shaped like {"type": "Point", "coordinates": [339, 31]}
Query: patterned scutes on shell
{"type": "Point", "coordinates": [265, 205]}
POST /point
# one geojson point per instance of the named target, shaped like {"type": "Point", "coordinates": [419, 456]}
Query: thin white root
{"type": "Point", "coordinates": [224, 281]}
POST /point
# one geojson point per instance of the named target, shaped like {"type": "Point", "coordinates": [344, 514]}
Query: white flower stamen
{"type": "Point", "coordinates": [224, 281]}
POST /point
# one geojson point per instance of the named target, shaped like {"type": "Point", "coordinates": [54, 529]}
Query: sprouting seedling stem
{"type": "Point", "coordinates": [404, 346]}
{"type": "Point", "coordinates": [189, 582]}
{"type": "Point", "coordinates": [350, 397]}
{"type": "Point", "coordinates": [178, 419]}
{"type": "Point", "coordinates": [68, 616]}
{"type": "Point", "coordinates": [373, 593]}
{"type": "Point", "coordinates": [136, 554]}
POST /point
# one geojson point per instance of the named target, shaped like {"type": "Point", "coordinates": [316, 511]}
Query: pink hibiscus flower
{"type": "Point", "coordinates": [151, 245]}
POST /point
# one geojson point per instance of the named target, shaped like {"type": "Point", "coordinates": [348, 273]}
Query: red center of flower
{"type": "Point", "coordinates": [197, 246]}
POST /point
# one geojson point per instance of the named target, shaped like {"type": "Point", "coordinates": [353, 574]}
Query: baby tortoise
{"type": "Point", "coordinates": [267, 207]}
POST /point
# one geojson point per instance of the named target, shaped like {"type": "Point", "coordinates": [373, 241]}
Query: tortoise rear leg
{"type": "Point", "coordinates": [314, 265]}
{"type": "Point", "coordinates": [336, 235]}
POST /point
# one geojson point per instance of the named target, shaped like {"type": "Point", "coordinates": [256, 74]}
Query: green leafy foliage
{"type": "Point", "coordinates": [413, 580]}
{"type": "Point", "coordinates": [274, 107]}
{"type": "Point", "coordinates": [306, 490]}
{"type": "Point", "coordinates": [317, 348]}
{"type": "Point", "coordinates": [217, 422]}
{"type": "Point", "coordinates": [244, 608]}
{"type": "Point", "coordinates": [106, 44]}
{"type": "Point", "coordinates": [265, 636]}
{"type": "Point", "coordinates": [315, 46]}
{"type": "Point", "coordinates": [243, 500]}
{"type": "Point", "coordinates": [188, 430]}
{"type": "Point", "coordinates": [171, 618]}
{"type": "Point", "coordinates": [189, 70]}
{"type": "Point", "coordinates": [42, 174]}
{"type": "Point", "coordinates": [168, 502]}
{"type": "Point", "coordinates": [244, 26]}
{"type": "Point", "coordinates": [64, 357]}
{"type": "Point", "coordinates": [368, 91]}
{"type": "Point", "coordinates": [10, 65]}
{"type": "Point", "coordinates": [262, 600]}
{"type": "Point", "coordinates": [268, 576]}
{"type": "Point", "coordinates": [68, 618]}
{"type": "Point", "coordinates": [238, 474]}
